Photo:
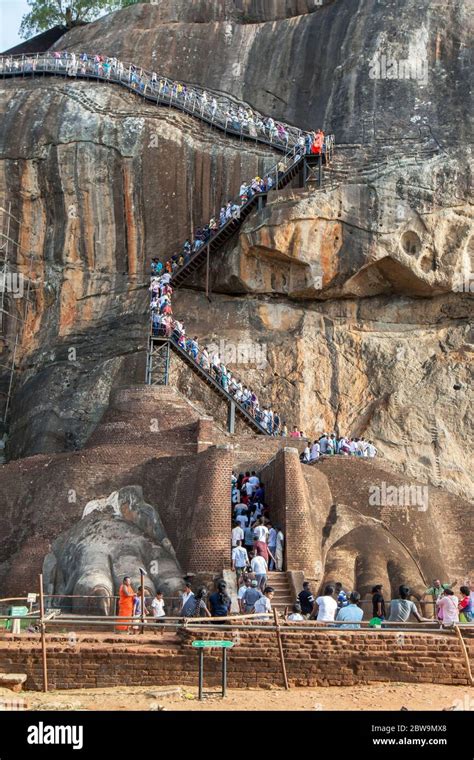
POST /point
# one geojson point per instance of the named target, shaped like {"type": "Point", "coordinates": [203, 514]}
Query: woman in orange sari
{"type": "Point", "coordinates": [126, 596]}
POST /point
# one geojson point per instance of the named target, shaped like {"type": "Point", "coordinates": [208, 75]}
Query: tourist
{"type": "Point", "coordinates": [272, 543]}
{"type": "Point", "coordinates": [465, 605]}
{"type": "Point", "coordinates": [237, 534]}
{"type": "Point", "coordinates": [196, 605]}
{"type": "Point", "coordinates": [263, 604]}
{"type": "Point", "coordinates": [240, 560]}
{"type": "Point", "coordinates": [126, 597]}
{"type": "Point", "coordinates": [306, 600]}
{"type": "Point", "coordinates": [352, 612]}
{"type": "Point", "coordinates": [260, 531]}
{"type": "Point", "coordinates": [436, 591]}
{"type": "Point", "coordinates": [295, 433]}
{"type": "Point", "coordinates": [400, 609]}
{"type": "Point", "coordinates": [248, 538]}
{"type": "Point", "coordinates": [306, 455]}
{"type": "Point", "coordinates": [220, 601]}
{"type": "Point", "coordinates": [325, 606]}
{"type": "Point", "coordinates": [250, 596]}
{"type": "Point", "coordinates": [280, 542]}
{"type": "Point", "coordinates": [371, 450]}
{"type": "Point", "coordinates": [158, 607]}
{"type": "Point", "coordinates": [137, 607]}
{"type": "Point", "coordinates": [259, 568]}
{"type": "Point", "coordinates": [378, 602]}
{"type": "Point", "coordinates": [246, 583]}
{"type": "Point", "coordinates": [295, 615]}
{"type": "Point", "coordinates": [186, 596]}
{"type": "Point", "coordinates": [341, 596]}
{"type": "Point", "coordinates": [323, 444]}
{"type": "Point", "coordinates": [315, 451]}
{"type": "Point", "coordinates": [448, 607]}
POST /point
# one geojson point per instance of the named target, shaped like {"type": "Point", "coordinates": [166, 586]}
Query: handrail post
{"type": "Point", "coordinates": [465, 654]}
{"type": "Point", "coordinates": [231, 418]}
{"type": "Point", "coordinates": [207, 272]}
{"type": "Point", "coordinates": [280, 647]}
{"type": "Point", "coordinates": [43, 635]}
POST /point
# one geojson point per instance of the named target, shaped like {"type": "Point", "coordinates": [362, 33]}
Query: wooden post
{"type": "Point", "coordinates": [280, 647]}
{"type": "Point", "coordinates": [43, 636]}
{"type": "Point", "coordinates": [142, 602]}
{"type": "Point", "coordinates": [465, 653]}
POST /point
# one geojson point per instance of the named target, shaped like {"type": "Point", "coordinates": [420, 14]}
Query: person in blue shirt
{"type": "Point", "coordinates": [351, 612]}
{"type": "Point", "coordinates": [220, 601]}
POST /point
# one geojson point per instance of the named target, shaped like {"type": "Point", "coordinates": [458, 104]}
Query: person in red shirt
{"type": "Point", "coordinates": [318, 142]}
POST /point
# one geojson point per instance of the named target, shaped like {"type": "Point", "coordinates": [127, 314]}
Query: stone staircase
{"type": "Point", "coordinates": [283, 596]}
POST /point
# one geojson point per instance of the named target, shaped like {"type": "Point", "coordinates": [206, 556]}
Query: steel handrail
{"type": "Point", "coordinates": [173, 342]}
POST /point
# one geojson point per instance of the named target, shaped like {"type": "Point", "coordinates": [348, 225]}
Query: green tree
{"type": "Point", "coordinates": [45, 14]}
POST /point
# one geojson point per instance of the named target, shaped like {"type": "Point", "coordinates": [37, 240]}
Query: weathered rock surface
{"type": "Point", "coordinates": [348, 290]}
{"type": "Point", "coordinates": [306, 63]}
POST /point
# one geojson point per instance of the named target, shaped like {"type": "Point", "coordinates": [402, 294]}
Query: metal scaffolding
{"type": "Point", "coordinates": [13, 284]}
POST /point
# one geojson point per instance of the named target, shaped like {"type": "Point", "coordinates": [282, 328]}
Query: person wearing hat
{"type": "Point", "coordinates": [250, 597]}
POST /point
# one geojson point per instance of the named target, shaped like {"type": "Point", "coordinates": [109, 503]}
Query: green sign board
{"type": "Point", "coordinates": [20, 611]}
{"type": "Point", "coordinates": [222, 644]}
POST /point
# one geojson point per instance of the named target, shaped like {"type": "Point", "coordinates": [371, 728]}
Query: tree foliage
{"type": "Point", "coordinates": [45, 14]}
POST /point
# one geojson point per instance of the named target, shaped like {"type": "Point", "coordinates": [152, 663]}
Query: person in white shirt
{"type": "Point", "coordinates": [371, 450]}
{"type": "Point", "coordinates": [272, 542]}
{"type": "Point", "coordinates": [240, 594]}
{"type": "Point", "coordinates": [315, 452]}
{"type": "Point", "coordinates": [448, 603]}
{"type": "Point", "coordinates": [242, 520]}
{"type": "Point", "coordinates": [263, 605]}
{"type": "Point", "coordinates": [327, 606]}
{"type": "Point", "coordinates": [306, 454]}
{"type": "Point", "coordinates": [240, 560]}
{"type": "Point", "coordinates": [237, 534]}
{"type": "Point", "coordinates": [280, 541]}
{"type": "Point", "coordinates": [249, 488]}
{"type": "Point", "coordinates": [235, 495]}
{"type": "Point", "coordinates": [323, 443]}
{"type": "Point", "coordinates": [352, 447]}
{"type": "Point", "coordinates": [254, 480]}
{"type": "Point", "coordinates": [187, 593]}
{"type": "Point", "coordinates": [296, 613]}
{"type": "Point", "coordinates": [158, 606]}
{"type": "Point", "coordinates": [260, 531]}
{"type": "Point", "coordinates": [259, 567]}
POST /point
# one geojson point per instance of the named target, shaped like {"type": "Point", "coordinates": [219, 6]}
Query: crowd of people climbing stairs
{"type": "Point", "coordinates": [163, 324]}
{"type": "Point", "coordinates": [214, 107]}
{"type": "Point", "coordinates": [313, 143]}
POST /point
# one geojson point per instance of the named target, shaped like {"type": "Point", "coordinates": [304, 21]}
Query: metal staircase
{"type": "Point", "coordinates": [307, 167]}
{"type": "Point", "coordinates": [158, 361]}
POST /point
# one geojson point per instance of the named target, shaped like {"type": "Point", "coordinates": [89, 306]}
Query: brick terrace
{"type": "Point", "coordinates": [312, 659]}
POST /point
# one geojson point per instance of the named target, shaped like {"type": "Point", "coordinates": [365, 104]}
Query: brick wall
{"type": "Point", "coordinates": [297, 513]}
{"type": "Point", "coordinates": [312, 659]}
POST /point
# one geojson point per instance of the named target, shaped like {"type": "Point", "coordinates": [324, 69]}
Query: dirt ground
{"type": "Point", "coordinates": [391, 696]}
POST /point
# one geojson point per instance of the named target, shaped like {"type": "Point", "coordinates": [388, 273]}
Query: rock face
{"type": "Point", "coordinates": [115, 536]}
{"type": "Point", "coordinates": [355, 299]}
